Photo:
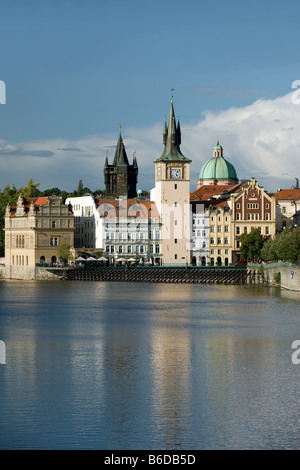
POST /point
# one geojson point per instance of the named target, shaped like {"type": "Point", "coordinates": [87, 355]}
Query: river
{"type": "Point", "coordinates": [93, 365]}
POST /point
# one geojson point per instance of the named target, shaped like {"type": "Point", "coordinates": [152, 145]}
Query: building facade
{"type": "Point", "coordinates": [33, 231]}
{"type": "Point", "coordinates": [252, 207]}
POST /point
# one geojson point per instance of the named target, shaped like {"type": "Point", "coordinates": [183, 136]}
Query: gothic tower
{"type": "Point", "coordinates": [172, 195]}
{"type": "Point", "coordinates": [120, 178]}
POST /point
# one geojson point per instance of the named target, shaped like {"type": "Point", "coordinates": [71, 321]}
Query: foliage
{"type": "Point", "coordinates": [285, 246]}
{"type": "Point", "coordinates": [64, 252]}
{"type": "Point", "coordinates": [277, 277]}
{"type": "Point", "coordinates": [251, 244]}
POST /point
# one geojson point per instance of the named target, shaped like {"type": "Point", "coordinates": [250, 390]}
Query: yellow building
{"type": "Point", "coordinates": [33, 231]}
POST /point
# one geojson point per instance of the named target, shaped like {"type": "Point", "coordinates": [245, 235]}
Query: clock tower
{"type": "Point", "coordinates": [172, 196]}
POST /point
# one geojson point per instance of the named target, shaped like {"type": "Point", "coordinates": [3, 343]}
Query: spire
{"type": "Point", "coordinates": [172, 139]}
{"type": "Point", "coordinates": [120, 158]}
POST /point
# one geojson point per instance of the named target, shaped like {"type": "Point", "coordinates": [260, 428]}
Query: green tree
{"type": "Point", "coordinates": [251, 244]}
{"type": "Point", "coordinates": [30, 190]}
{"type": "Point", "coordinates": [289, 248]}
{"type": "Point", "coordinates": [64, 252]}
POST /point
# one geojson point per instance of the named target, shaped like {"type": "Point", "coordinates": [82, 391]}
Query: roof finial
{"type": "Point", "coordinates": [172, 89]}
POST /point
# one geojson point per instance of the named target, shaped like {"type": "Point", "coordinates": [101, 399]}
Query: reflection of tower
{"type": "Point", "coordinates": [172, 195]}
{"type": "Point", "coordinates": [120, 178]}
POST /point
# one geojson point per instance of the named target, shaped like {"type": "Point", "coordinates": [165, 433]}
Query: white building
{"type": "Point", "coordinates": [87, 222]}
{"type": "Point", "coordinates": [200, 234]}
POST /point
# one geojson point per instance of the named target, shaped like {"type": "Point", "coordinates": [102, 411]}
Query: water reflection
{"type": "Point", "coordinates": [124, 366]}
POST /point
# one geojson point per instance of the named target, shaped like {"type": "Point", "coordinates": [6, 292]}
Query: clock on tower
{"type": "Point", "coordinates": [172, 195]}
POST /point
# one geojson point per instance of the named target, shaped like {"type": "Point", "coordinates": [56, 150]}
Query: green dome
{"type": "Point", "coordinates": [218, 168]}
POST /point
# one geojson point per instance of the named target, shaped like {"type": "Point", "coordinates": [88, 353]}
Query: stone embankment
{"type": "Point", "coordinates": [202, 275]}
{"type": "Point", "coordinates": [287, 275]}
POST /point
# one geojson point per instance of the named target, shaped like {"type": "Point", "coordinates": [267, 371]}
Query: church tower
{"type": "Point", "coordinates": [172, 195]}
{"type": "Point", "coordinates": [120, 178]}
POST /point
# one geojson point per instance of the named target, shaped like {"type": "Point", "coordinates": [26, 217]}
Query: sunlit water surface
{"type": "Point", "coordinates": [148, 366]}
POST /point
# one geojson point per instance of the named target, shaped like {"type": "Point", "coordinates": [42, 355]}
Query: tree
{"type": "Point", "coordinates": [64, 252]}
{"type": "Point", "coordinates": [30, 190]}
{"type": "Point", "coordinates": [289, 248]}
{"type": "Point", "coordinates": [251, 244]}
{"type": "Point", "coordinates": [80, 189]}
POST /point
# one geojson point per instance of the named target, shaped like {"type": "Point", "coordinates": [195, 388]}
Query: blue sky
{"type": "Point", "coordinates": [76, 69]}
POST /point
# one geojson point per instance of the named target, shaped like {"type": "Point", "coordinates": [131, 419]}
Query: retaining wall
{"type": "Point", "coordinates": [289, 274]}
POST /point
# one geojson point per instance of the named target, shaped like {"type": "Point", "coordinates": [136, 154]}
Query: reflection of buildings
{"type": "Point", "coordinates": [33, 231]}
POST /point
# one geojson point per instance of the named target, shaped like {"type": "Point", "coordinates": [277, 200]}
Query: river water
{"type": "Point", "coordinates": [148, 366]}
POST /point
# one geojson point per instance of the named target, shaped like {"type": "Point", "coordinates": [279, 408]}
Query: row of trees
{"type": "Point", "coordinates": [285, 246]}
{"type": "Point", "coordinates": [10, 195]}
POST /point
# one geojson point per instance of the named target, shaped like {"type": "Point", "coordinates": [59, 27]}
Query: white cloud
{"type": "Point", "coordinates": [260, 140]}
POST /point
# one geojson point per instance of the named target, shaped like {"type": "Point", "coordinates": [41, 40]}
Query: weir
{"type": "Point", "coordinates": [201, 275]}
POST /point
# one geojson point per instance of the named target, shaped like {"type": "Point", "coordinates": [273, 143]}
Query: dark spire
{"type": "Point", "coordinates": [120, 158]}
{"type": "Point", "coordinates": [172, 140]}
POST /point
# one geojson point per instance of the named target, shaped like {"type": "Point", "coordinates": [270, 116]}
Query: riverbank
{"type": "Point", "coordinates": [288, 274]}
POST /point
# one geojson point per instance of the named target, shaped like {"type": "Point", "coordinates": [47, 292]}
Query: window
{"type": "Point", "coordinates": [129, 249]}
{"type": "Point", "coordinates": [226, 228]}
{"type": "Point", "coordinates": [267, 230]}
{"type": "Point", "coordinates": [53, 241]}
{"type": "Point", "coordinates": [212, 228]}
{"type": "Point", "coordinates": [175, 256]}
{"type": "Point", "coordinates": [212, 241]}
{"type": "Point", "coordinates": [238, 230]}
{"type": "Point", "coordinates": [151, 249]}
{"type": "Point", "coordinates": [175, 240]}
{"type": "Point", "coordinates": [245, 229]}
{"type": "Point", "coordinates": [219, 241]}
{"type": "Point", "coordinates": [175, 187]}
{"type": "Point", "coordinates": [120, 248]}
{"type": "Point", "coordinates": [157, 249]}
{"type": "Point", "coordinates": [203, 233]}
{"type": "Point", "coordinates": [284, 209]}
{"type": "Point", "coordinates": [219, 228]}
{"type": "Point", "coordinates": [226, 241]}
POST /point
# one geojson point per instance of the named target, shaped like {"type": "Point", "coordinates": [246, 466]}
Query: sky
{"type": "Point", "coordinates": [75, 70]}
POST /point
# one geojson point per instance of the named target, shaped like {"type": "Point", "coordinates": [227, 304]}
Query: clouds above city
{"type": "Point", "coordinates": [261, 140]}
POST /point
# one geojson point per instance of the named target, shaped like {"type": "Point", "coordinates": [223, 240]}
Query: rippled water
{"type": "Point", "coordinates": [148, 366]}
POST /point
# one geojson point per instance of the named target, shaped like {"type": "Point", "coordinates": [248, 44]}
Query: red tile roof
{"type": "Point", "coordinates": [215, 190]}
{"type": "Point", "coordinates": [129, 207]}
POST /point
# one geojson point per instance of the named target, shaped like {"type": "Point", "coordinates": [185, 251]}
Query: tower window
{"type": "Point", "coordinates": [175, 186]}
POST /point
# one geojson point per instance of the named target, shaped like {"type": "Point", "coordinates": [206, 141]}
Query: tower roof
{"type": "Point", "coordinates": [172, 141]}
{"type": "Point", "coordinates": [120, 158]}
{"type": "Point", "coordinates": [217, 167]}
